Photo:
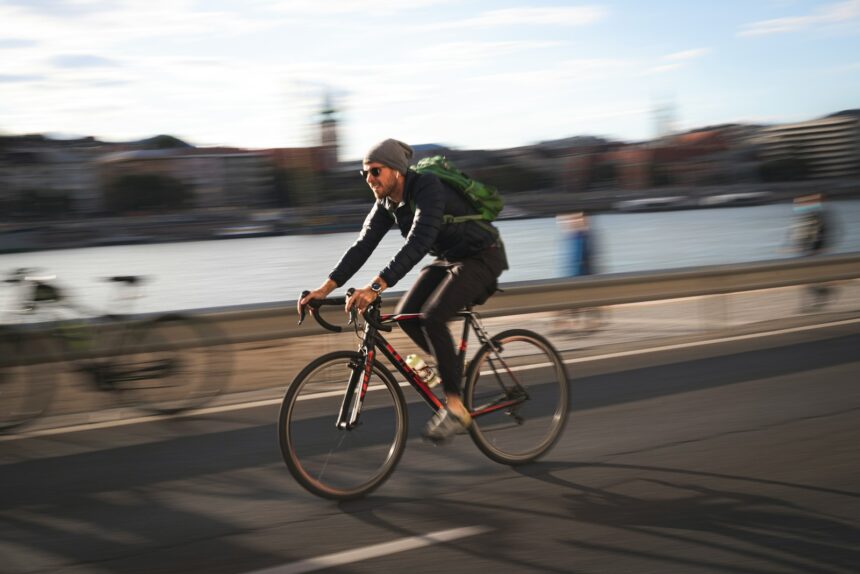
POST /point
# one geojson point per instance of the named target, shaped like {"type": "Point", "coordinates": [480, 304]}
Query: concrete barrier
{"type": "Point", "coordinates": [279, 320]}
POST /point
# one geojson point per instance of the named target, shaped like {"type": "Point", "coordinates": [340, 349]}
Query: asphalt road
{"type": "Point", "coordinates": [738, 456]}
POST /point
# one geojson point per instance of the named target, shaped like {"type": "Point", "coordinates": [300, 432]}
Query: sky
{"type": "Point", "coordinates": [467, 74]}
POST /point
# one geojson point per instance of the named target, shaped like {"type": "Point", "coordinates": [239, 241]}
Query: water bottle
{"type": "Point", "coordinates": [425, 371]}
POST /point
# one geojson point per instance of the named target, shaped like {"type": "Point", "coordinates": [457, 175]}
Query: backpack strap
{"type": "Point", "coordinates": [448, 219]}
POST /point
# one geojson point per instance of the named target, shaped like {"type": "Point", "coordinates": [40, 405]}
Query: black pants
{"type": "Point", "coordinates": [442, 289]}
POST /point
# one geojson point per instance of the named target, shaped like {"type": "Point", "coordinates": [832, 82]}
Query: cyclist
{"type": "Point", "coordinates": [469, 257]}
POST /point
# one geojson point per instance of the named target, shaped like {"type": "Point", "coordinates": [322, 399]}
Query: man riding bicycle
{"type": "Point", "coordinates": [469, 259]}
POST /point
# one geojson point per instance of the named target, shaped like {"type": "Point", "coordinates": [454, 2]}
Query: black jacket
{"type": "Point", "coordinates": [423, 228]}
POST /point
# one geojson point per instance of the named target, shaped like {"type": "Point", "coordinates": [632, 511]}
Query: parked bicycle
{"type": "Point", "coordinates": [343, 421]}
{"type": "Point", "coordinates": [163, 364]}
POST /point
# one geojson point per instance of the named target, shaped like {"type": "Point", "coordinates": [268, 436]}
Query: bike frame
{"type": "Point", "coordinates": [373, 340]}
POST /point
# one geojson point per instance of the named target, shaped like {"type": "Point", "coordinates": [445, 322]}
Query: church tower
{"type": "Point", "coordinates": [665, 119]}
{"type": "Point", "coordinates": [328, 134]}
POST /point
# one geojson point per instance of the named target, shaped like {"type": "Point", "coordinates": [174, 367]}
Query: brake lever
{"type": "Point", "coordinates": [353, 313]}
{"type": "Point", "coordinates": [303, 313]}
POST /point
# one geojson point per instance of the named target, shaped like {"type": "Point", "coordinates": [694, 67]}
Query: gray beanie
{"type": "Point", "coordinates": [393, 153]}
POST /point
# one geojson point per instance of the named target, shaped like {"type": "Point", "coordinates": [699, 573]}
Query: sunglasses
{"type": "Point", "coordinates": [374, 171]}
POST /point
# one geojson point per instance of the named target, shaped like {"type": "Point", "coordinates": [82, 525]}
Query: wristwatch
{"type": "Point", "coordinates": [376, 287]}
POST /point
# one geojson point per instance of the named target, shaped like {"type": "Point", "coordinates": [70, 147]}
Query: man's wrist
{"type": "Point", "coordinates": [327, 287]}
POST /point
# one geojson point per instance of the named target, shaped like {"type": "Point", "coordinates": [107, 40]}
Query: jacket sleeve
{"type": "Point", "coordinates": [376, 225]}
{"type": "Point", "coordinates": [429, 200]}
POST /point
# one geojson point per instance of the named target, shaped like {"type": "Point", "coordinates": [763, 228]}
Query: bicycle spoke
{"type": "Point", "coordinates": [338, 462]}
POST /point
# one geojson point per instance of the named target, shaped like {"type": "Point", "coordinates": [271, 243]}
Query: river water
{"type": "Point", "coordinates": [206, 274]}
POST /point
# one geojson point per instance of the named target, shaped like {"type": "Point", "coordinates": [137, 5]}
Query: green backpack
{"type": "Point", "coordinates": [484, 198]}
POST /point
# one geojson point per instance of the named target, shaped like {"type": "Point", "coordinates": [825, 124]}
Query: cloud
{"type": "Point", "coordinates": [661, 69]}
{"type": "Point", "coordinates": [108, 83]}
{"type": "Point", "coordinates": [564, 76]}
{"type": "Point", "coordinates": [59, 8]}
{"type": "Point", "coordinates": [675, 61]}
{"type": "Point", "coordinates": [8, 43]}
{"type": "Point", "coordinates": [461, 53]}
{"type": "Point", "coordinates": [101, 25]}
{"type": "Point", "coordinates": [831, 14]}
{"type": "Point", "coordinates": [331, 7]}
{"type": "Point", "coordinates": [19, 78]}
{"type": "Point", "coordinates": [539, 16]}
{"type": "Point", "coordinates": [686, 54]}
{"type": "Point", "coordinates": [82, 61]}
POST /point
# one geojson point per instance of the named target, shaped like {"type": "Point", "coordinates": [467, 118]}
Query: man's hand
{"type": "Point", "coordinates": [361, 299]}
{"type": "Point", "coordinates": [320, 292]}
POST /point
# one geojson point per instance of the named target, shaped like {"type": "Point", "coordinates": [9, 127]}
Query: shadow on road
{"type": "Point", "coordinates": [727, 516]}
{"type": "Point", "coordinates": [675, 518]}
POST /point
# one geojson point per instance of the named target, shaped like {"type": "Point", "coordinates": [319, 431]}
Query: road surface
{"type": "Point", "coordinates": [732, 456]}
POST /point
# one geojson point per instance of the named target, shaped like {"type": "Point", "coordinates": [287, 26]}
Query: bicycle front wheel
{"type": "Point", "coordinates": [170, 364]}
{"type": "Point", "coordinates": [517, 389]}
{"type": "Point", "coordinates": [340, 463]}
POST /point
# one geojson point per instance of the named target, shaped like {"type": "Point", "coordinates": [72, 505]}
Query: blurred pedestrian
{"type": "Point", "coordinates": [578, 255]}
{"type": "Point", "coordinates": [811, 234]}
{"type": "Point", "coordinates": [577, 239]}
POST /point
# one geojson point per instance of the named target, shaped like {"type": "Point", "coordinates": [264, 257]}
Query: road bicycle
{"type": "Point", "coordinates": [343, 421]}
{"type": "Point", "coordinates": [162, 364]}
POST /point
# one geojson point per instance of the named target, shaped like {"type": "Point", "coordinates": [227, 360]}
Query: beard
{"type": "Point", "coordinates": [382, 191]}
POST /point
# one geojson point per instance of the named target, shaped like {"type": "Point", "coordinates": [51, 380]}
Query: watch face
{"type": "Point", "coordinates": [376, 287]}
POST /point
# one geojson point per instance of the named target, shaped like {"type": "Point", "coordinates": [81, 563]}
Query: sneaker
{"type": "Point", "coordinates": [444, 425]}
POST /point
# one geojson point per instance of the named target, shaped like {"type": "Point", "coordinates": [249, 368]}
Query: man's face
{"type": "Point", "coordinates": [381, 179]}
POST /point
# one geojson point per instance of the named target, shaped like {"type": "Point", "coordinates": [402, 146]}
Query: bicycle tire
{"type": "Point", "coordinates": [26, 387]}
{"type": "Point", "coordinates": [524, 432]}
{"type": "Point", "coordinates": [170, 364]}
{"type": "Point", "coordinates": [335, 463]}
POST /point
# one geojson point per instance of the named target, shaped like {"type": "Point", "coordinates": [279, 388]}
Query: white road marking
{"type": "Point", "coordinates": [268, 402]}
{"type": "Point", "coordinates": [375, 551]}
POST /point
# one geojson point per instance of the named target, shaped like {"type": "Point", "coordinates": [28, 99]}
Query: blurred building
{"type": "Point", "coordinates": [71, 177]}
{"type": "Point", "coordinates": [217, 177]}
{"type": "Point", "coordinates": [74, 175]}
{"type": "Point", "coordinates": [830, 146]}
{"type": "Point", "coordinates": [36, 168]}
{"type": "Point", "coordinates": [690, 159]}
{"type": "Point", "coordinates": [315, 159]}
{"type": "Point", "coordinates": [710, 156]}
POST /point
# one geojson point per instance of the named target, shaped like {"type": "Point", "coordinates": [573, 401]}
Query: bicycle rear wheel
{"type": "Point", "coordinates": [338, 463]}
{"type": "Point", "coordinates": [25, 385]}
{"type": "Point", "coordinates": [171, 364]}
{"type": "Point", "coordinates": [518, 395]}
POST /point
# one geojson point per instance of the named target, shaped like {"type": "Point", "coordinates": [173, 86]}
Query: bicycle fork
{"type": "Point", "coordinates": [359, 380]}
